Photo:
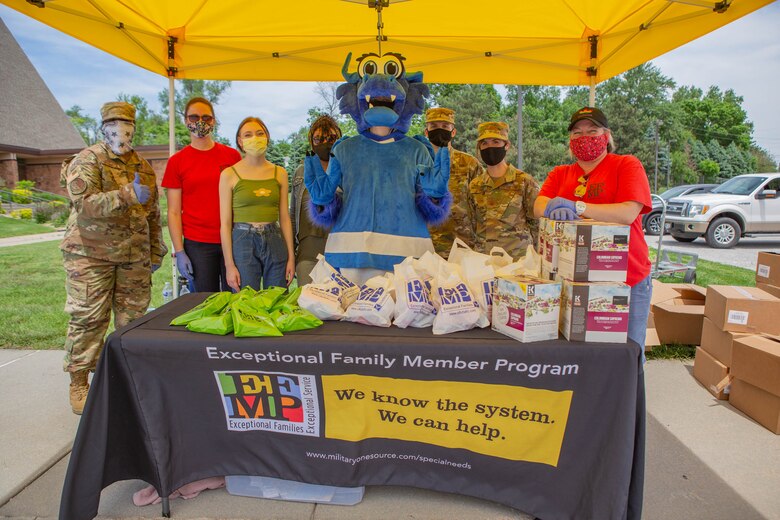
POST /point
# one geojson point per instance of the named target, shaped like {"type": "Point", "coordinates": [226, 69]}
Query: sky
{"type": "Point", "coordinates": [743, 56]}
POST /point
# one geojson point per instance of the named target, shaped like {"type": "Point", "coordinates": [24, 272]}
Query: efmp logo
{"type": "Point", "coordinates": [285, 403]}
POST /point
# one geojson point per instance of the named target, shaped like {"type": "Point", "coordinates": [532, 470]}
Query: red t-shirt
{"type": "Point", "coordinates": [617, 178]}
{"type": "Point", "coordinates": [196, 173]}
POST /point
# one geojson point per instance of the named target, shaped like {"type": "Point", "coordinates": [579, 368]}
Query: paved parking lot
{"type": "Point", "coordinates": [744, 254]}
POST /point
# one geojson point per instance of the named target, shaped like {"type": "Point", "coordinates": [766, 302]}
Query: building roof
{"type": "Point", "coordinates": [30, 116]}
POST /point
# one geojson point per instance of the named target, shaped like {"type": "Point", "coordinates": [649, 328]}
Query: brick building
{"type": "Point", "coordinates": [35, 133]}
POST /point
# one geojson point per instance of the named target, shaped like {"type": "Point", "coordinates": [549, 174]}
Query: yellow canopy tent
{"type": "Point", "coordinates": [547, 42]}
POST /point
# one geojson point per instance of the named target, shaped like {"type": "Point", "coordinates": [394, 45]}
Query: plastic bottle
{"type": "Point", "coordinates": [167, 293]}
{"type": "Point", "coordinates": [184, 290]}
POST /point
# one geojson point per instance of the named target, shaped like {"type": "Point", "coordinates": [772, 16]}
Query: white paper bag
{"type": "Point", "coordinates": [374, 305]}
{"type": "Point", "coordinates": [456, 307]}
{"type": "Point", "coordinates": [413, 305]}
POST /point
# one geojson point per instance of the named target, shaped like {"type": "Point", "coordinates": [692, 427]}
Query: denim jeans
{"type": "Point", "coordinates": [208, 266]}
{"type": "Point", "coordinates": [639, 309]}
{"type": "Point", "coordinates": [260, 255]}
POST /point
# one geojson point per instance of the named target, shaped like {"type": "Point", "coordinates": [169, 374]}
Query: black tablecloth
{"type": "Point", "coordinates": [554, 428]}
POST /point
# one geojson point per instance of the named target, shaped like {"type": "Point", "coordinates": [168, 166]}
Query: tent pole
{"type": "Point", "coordinates": [520, 95]}
{"type": "Point", "coordinates": [171, 151]}
{"type": "Point", "coordinates": [592, 92]}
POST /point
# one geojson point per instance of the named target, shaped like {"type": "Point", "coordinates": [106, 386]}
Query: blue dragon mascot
{"type": "Point", "coordinates": [382, 188]}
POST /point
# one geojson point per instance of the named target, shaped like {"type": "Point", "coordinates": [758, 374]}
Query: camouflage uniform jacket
{"type": "Point", "coordinates": [503, 211]}
{"type": "Point", "coordinates": [106, 221]}
{"type": "Point", "coordinates": [463, 169]}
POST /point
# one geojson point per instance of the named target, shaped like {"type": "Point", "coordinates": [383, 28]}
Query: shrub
{"type": "Point", "coordinates": [60, 219]}
{"type": "Point", "coordinates": [24, 214]}
{"type": "Point", "coordinates": [21, 196]}
{"type": "Point", "coordinates": [25, 185]}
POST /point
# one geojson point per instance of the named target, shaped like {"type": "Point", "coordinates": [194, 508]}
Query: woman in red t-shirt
{"type": "Point", "coordinates": [604, 186]}
{"type": "Point", "coordinates": [192, 182]}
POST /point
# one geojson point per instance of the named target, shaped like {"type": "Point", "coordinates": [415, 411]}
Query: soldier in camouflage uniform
{"type": "Point", "coordinates": [501, 200]}
{"type": "Point", "coordinates": [112, 244]}
{"type": "Point", "coordinates": [440, 129]}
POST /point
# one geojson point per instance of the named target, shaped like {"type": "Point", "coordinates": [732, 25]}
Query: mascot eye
{"type": "Point", "coordinates": [368, 67]}
{"type": "Point", "coordinates": [392, 68]}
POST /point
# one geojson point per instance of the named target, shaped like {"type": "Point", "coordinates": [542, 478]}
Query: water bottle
{"type": "Point", "coordinates": [167, 293]}
{"type": "Point", "coordinates": [184, 290]}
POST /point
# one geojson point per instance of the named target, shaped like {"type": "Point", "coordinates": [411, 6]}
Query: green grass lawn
{"type": "Point", "coordinates": [33, 295]}
{"type": "Point", "coordinates": [12, 227]}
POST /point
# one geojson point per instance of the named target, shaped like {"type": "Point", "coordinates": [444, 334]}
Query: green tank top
{"type": "Point", "coordinates": [256, 201]}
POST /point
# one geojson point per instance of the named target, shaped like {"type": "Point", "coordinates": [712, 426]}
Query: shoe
{"type": "Point", "coordinates": [78, 390]}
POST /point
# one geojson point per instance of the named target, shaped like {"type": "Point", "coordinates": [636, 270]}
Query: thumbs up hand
{"type": "Point", "coordinates": [142, 192]}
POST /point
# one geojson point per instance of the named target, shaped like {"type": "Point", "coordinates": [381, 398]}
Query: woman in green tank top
{"type": "Point", "coordinates": [255, 226]}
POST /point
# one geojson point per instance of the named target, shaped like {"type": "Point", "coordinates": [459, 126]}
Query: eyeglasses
{"type": "Point", "coordinates": [194, 118]}
{"type": "Point", "coordinates": [325, 139]}
{"type": "Point", "coordinates": [580, 190]}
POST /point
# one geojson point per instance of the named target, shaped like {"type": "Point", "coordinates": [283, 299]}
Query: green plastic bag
{"type": "Point", "coordinates": [295, 319]}
{"type": "Point", "coordinates": [213, 305]}
{"type": "Point", "coordinates": [220, 324]}
{"type": "Point", "coordinates": [267, 298]}
{"type": "Point", "coordinates": [287, 301]}
{"type": "Point", "coordinates": [249, 322]}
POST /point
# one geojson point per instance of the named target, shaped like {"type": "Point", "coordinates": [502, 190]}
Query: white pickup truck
{"type": "Point", "coordinates": [743, 205]}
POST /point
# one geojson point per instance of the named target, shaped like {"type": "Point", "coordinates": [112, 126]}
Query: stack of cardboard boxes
{"type": "Point", "coordinates": [590, 259]}
{"type": "Point", "coordinates": [739, 356]}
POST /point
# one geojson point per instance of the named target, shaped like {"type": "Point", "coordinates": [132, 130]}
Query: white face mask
{"type": "Point", "coordinates": [255, 145]}
{"type": "Point", "coordinates": [118, 135]}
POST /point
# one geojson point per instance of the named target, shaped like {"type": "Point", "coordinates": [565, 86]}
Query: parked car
{"type": "Point", "coordinates": [651, 222]}
{"type": "Point", "coordinates": [743, 205]}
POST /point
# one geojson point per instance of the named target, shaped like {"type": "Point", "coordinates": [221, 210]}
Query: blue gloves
{"type": "Point", "coordinates": [321, 185]}
{"type": "Point", "coordinates": [142, 191]}
{"type": "Point", "coordinates": [561, 208]}
{"type": "Point", "coordinates": [184, 265]}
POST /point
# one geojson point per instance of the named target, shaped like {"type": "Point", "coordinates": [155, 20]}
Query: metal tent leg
{"type": "Point", "coordinates": [166, 507]}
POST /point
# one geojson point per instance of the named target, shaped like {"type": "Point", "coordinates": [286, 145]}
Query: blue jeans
{"type": "Point", "coordinates": [638, 311]}
{"type": "Point", "coordinates": [260, 255]}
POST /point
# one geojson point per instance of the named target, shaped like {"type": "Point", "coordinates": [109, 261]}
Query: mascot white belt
{"type": "Point", "coordinates": [391, 185]}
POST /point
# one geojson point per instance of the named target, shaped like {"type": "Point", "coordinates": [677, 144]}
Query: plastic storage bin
{"type": "Point", "coordinates": [280, 489]}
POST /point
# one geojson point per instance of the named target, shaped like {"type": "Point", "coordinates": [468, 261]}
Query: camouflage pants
{"type": "Point", "coordinates": [95, 287]}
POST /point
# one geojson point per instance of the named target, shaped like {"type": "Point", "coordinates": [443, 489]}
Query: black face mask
{"type": "Point", "coordinates": [493, 155]}
{"type": "Point", "coordinates": [440, 137]}
{"type": "Point", "coordinates": [322, 151]}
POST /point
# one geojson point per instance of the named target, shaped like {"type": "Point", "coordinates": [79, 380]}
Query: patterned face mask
{"type": "Point", "coordinates": [118, 135]}
{"type": "Point", "coordinates": [200, 128]}
{"type": "Point", "coordinates": [588, 147]}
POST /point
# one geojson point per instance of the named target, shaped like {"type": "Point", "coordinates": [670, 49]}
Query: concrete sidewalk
{"type": "Point", "coordinates": [31, 239]}
{"type": "Point", "coordinates": [705, 460]}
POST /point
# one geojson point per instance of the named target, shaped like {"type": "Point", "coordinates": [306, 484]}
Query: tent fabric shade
{"type": "Point", "coordinates": [459, 41]}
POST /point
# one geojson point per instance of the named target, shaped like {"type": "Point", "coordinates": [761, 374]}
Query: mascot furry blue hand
{"type": "Point", "coordinates": [392, 186]}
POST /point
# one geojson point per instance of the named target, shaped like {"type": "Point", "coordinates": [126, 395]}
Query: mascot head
{"type": "Point", "coordinates": [381, 93]}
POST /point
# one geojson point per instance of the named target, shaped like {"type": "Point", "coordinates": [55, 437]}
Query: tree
{"type": "Point", "coordinates": [715, 115]}
{"type": "Point", "coordinates": [473, 104]}
{"type": "Point", "coordinates": [709, 170]}
{"type": "Point", "coordinates": [762, 161]}
{"type": "Point", "coordinates": [87, 126]}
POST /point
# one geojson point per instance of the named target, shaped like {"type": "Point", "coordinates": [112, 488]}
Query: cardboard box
{"type": "Point", "coordinates": [711, 373]}
{"type": "Point", "coordinates": [743, 309]}
{"type": "Point", "coordinates": [771, 289]}
{"type": "Point", "coordinates": [678, 313]}
{"type": "Point", "coordinates": [550, 233]}
{"type": "Point", "coordinates": [756, 360]}
{"type": "Point", "coordinates": [592, 251]}
{"type": "Point", "coordinates": [768, 268]}
{"type": "Point", "coordinates": [718, 343]}
{"type": "Point", "coordinates": [526, 308]}
{"type": "Point", "coordinates": [595, 311]}
{"type": "Point", "coordinates": [757, 404]}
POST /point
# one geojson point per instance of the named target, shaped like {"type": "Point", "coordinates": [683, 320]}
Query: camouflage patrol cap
{"type": "Point", "coordinates": [493, 130]}
{"type": "Point", "coordinates": [117, 110]}
{"type": "Point", "coordinates": [440, 114]}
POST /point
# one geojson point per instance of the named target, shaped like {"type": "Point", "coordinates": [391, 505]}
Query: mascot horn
{"type": "Point", "coordinates": [382, 188]}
